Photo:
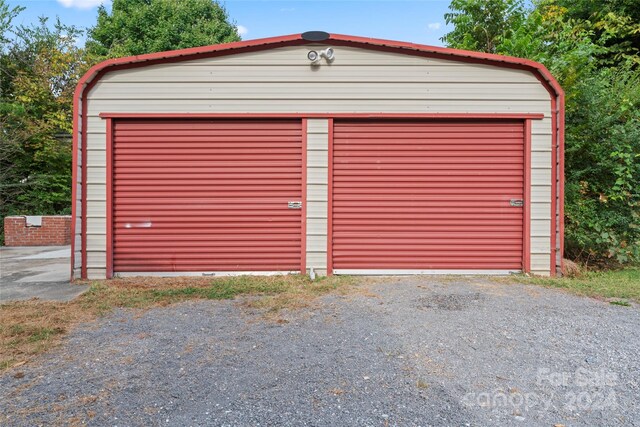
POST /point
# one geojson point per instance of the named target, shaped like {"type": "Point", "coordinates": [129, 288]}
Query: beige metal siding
{"type": "Point", "coordinates": [77, 238]}
{"type": "Point", "coordinates": [541, 135]}
{"type": "Point", "coordinates": [317, 167]}
{"type": "Point", "coordinates": [282, 81]}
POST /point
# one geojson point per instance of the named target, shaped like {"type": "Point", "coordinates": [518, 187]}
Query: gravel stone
{"type": "Point", "coordinates": [420, 351]}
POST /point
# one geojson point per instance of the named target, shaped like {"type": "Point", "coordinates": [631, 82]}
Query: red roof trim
{"type": "Point", "coordinates": [515, 116]}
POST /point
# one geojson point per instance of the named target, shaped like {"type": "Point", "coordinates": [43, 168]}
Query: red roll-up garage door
{"type": "Point", "coordinates": [427, 195]}
{"type": "Point", "coordinates": [206, 195]}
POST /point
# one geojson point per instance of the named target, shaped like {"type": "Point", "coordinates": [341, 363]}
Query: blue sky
{"type": "Point", "coordinates": [417, 21]}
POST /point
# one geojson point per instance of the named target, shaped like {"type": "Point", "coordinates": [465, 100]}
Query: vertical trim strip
{"type": "Point", "coordinates": [74, 190]}
{"type": "Point", "coordinates": [109, 183]}
{"type": "Point", "coordinates": [85, 157]}
{"type": "Point", "coordinates": [526, 229]}
{"type": "Point", "coordinates": [303, 213]}
{"type": "Point", "coordinates": [561, 119]}
{"type": "Point", "coordinates": [554, 180]}
{"type": "Point", "coordinates": [330, 200]}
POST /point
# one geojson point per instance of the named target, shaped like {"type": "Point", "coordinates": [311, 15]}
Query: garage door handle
{"type": "Point", "coordinates": [295, 205]}
{"type": "Point", "coordinates": [518, 203]}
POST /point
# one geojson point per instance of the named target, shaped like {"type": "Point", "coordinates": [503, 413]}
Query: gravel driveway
{"type": "Point", "coordinates": [410, 351]}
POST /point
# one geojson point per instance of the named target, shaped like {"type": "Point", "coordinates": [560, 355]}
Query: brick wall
{"type": "Point", "coordinates": [54, 231]}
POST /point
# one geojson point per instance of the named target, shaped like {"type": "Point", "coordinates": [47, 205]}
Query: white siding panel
{"type": "Point", "coordinates": [540, 245]}
{"type": "Point", "coordinates": [317, 226]}
{"type": "Point", "coordinates": [541, 210]}
{"type": "Point", "coordinates": [317, 158]}
{"type": "Point", "coordinates": [96, 141]}
{"type": "Point", "coordinates": [541, 176]}
{"type": "Point", "coordinates": [542, 127]}
{"type": "Point", "coordinates": [96, 273]}
{"type": "Point", "coordinates": [97, 209]}
{"type": "Point", "coordinates": [540, 142]}
{"type": "Point", "coordinates": [96, 125]}
{"type": "Point", "coordinates": [540, 264]}
{"type": "Point", "coordinates": [316, 241]}
{"type": "Point", "coordinates": [96, 240]}
{"type": "Point", "coordinates": [317, 210]}
{"type": "Point", "coordinates": [317, 260]}
{"type": "Point", "coordinates": [317, 145]}
{"type": "Point", "coordinates": [96, 192]}
{"type": "Point", "coordinates": [97, 158]}
{"type": "Point", "coordinates": [317, 90]}
{"type": "Point", "coordinates": [540, 227]}
{"type": "Point", "coordinates": [295, 55]}
{"type": "Point", "coordinates": [317, 140]}
{"type": "Point", "coordinates": [318, 126]}
{"type": "Point", "coordinates": [320, 105]}
{"type": "Point", "coordinates": [317, 175]}
{"type": "Point", "coordinates": [541, 160]}
{"type": "Point", "coordinates": [96, 259]}
{"type": "Point", "coordinates": [541, 193]}
{"type": "Point", "coordinates": [468, 73]}
{"type": "Point", "coordinates": [97, 225]}
{"type": "Point", "coordinates": [317, 192]}
{"type": "Point", "coordinates": [96, 175]}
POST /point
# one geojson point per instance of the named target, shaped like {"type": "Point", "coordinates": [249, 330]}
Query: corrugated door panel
{"type": "Point", "coordinates": [427, 195]}
{"type": "Point", "coordinates": [206, 195]}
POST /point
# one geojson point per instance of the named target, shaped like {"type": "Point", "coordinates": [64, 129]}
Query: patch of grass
{"type": "Point", "coordinates": [28, 328]}
{"type": "Point", "coordinates": [619, 302]}
{"type": "Point", "coordinates": [618, 284]}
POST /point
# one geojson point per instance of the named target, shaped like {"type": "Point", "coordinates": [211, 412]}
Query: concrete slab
{"type": "Point", "coordinates": [36, 272]}
{"type": "Point", "coordinates": [49, 254]}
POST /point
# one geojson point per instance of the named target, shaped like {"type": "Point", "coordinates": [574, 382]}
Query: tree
{"type": "Point", "coordinates": [480, 24]}
{"type": "Point", "coordinates": [589, 46]}
{"type": "Point", "coordinates": [602, 212]}
{"type": "Point", "coordinates": [615, 22]}
{"type": "Point", "coordinates": [40, 67]}
{"type": "Point", "coordinates": [136, 27]}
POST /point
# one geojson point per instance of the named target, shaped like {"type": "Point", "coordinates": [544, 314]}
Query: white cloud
{"type": "Point", "coordinates": [434, 26]}
{"type": "Point", "coordinates": [242, 30]}
{"type": "Point", "coordinates": [287, 9]}
{"type": "Point", "coordinates": [82, 4]}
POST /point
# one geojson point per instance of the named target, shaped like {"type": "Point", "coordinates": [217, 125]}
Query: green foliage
{"type": "Point", "coordinates": [603, 166]}
{"type": "Point", "coordinates": [480, 24]}
{"type": "Point", "coordinates": [616, 23]}
{"type": "Point", "coordinates": [7, 15]}
{"type": "Point", "coordinates": [590, 50]}
{"type": "Point", "coordinates": [40, 66]}
{"type": "Point", "coordinates": [135, 27]}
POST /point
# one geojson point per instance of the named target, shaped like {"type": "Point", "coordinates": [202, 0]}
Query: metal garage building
{"type": "Point", "coordinates": [328, 152]}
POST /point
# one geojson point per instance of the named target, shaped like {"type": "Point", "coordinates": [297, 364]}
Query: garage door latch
{"type": "Point", "coordinates": [295, 205]}
{"type": "Point", "coordinates": [518, 203]}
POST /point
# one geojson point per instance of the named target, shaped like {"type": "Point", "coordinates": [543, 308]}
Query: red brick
{"type": "Point", "coordinates": [55, 230]}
